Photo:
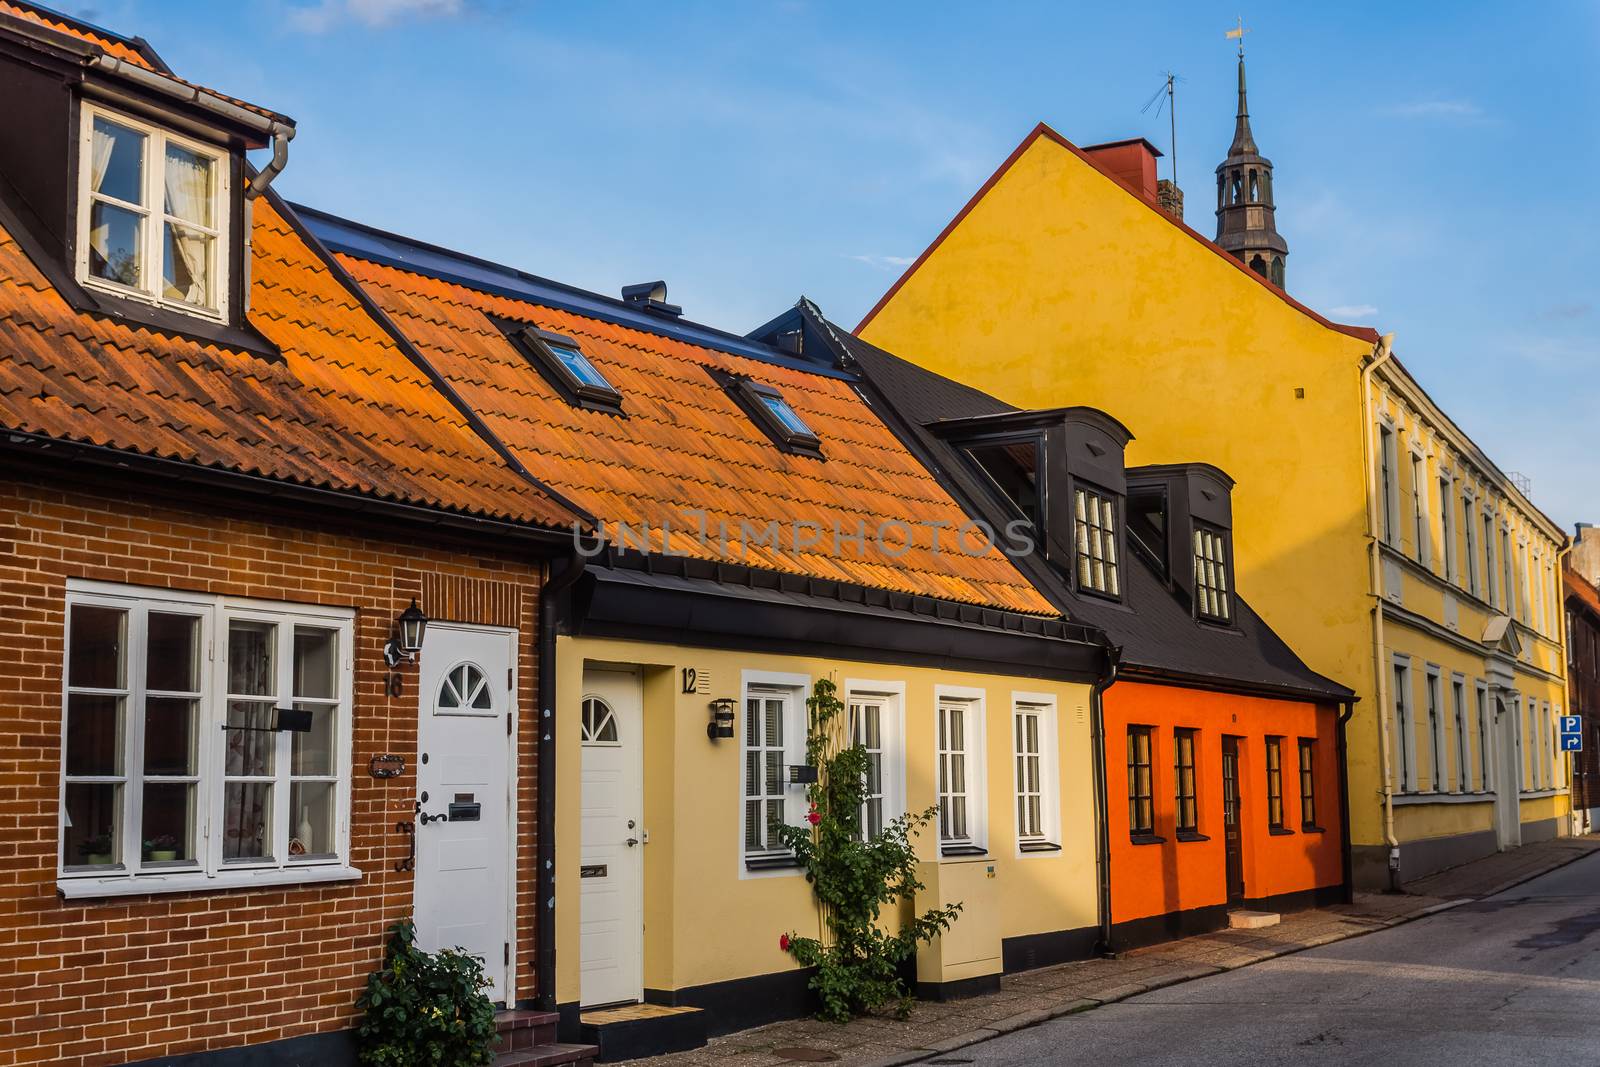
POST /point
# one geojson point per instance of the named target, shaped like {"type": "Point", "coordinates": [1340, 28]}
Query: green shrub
{"type": "Point", "coordinates": [425, 1009]}
{"type": "Point", "coordinates": [854, 877]}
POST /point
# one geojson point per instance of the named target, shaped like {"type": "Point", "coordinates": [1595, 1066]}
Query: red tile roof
{"type": "Point", "coordinates": [683, 444]}
{"type": "Point", "coordinates": [344, 409]}
{"type": "Point", "coordinates": [1581, 591]}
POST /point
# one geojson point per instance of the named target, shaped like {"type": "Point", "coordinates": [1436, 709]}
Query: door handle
{"type": "Point", "coordinates": [632, 841]}
{"type": "Point", "coordinates": [425, 818]}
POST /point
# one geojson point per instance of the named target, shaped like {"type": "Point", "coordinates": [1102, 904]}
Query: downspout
{"type": "Point", "coordinates": [1347, 709]}
{"type": "Point", "coordinates": [545, 851]}
{"type": "Point", "coordinates": [1381, 353]}
{"type": "Point", "coordinates": [1097, 734]}
{"type": "Point", "coordinates": [259, 183]}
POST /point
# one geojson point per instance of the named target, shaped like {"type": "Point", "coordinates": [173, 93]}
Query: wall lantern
{"type": "Point", "coordinates": [721, 724]}
{"type": "Point", "coordinates": [405, 641]}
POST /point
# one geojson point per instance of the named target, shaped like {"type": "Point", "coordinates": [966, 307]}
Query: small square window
{"type": "Point", "coordinates": [564, 366]}
{"type": "Point", "coordinates": [772, 413]}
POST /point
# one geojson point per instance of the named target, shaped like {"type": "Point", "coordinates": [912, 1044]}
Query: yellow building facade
{"type": "Point", "coordinates": [1059, 284]}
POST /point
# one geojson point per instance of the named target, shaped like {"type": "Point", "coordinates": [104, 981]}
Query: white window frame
{"type": "Point", "coordinates": [794, 688]}
{"type": "Point", "coordinates": [1518, 729]}
{"type": "Point", "coordinates": [1485, 736]}
{"type": "Point", "coordinates": [1433, 690]}
{"type": "Point", "coordinates": [891, 698]}
{"type": "Point", "coordinates": [1041, 706]}
{"type": "Point", "coordinates": [153, 209]}
{"type": "Point", "coordinates": [1447, 540]}
{"type": "Point", "coordinates": [1470, 546]}
{"type": "Point", "coordinates": [1491, 554]}
{"type": "Point", "coordinates": [1559, 779]}
{"type": "Point", "coordinates": [974, 762]}
{"type": "Point", "coordinates": [1547, 770]}
{"type": "Point", "coordinates": [209, 870]}
{"type": "Point", "coordinates": [1422, 527]}
{"type": "Point", "coordinates": [1389, 480]}
{"type": "Point", "coordinates": [1404, 706]}
{"type": "Point", "coordinates": [1458, 696]}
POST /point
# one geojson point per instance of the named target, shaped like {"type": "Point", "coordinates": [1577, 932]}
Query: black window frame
{"type": "Point", "coordinates": [1224, 564]}
{"type": "Point", "coordinates": [749, 393]}
{"type": "Point", "coordinates": [1187, 804]}
{"type": "Point", "coordinates": [1307, 749]}
{"type": "Point", "coordinates": [1092, 491]}
{"type": "Point", "coordinates": [1038, 441]}
{"type": "Point", "coordinates": [539, 346]}
{"type": "Point", "coordinates": [1141, 801]}
{"type": "Point", "coordinates": [1272, 759]}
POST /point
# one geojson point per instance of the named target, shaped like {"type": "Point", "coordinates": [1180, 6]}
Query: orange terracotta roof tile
{"type": "Point", "coordinates": [684, 447]}
{"type": "Point", "coordinates": [344, 409]}
{"type": "Point", "coordinates": [1581, 590]}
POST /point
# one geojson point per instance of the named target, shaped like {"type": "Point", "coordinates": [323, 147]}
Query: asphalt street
{"type": "Point", "coordinates": [1513, 979]}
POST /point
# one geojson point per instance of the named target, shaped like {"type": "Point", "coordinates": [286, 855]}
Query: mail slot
{"type": "Point", "coordinates": [592, 870]}
{"type": "Point", "coordinates": [464, 812]}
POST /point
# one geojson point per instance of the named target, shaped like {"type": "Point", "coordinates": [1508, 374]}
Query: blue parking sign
{"type": "Point", "coordinates": [1571, 724]}
{"type": "Point", "coordinates": [1572, 742]}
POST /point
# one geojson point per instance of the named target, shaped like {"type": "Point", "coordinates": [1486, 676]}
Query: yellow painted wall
{"type": "Point", "coordinates": [1058, 287]}
{"type": "Point", "coordinates": [704, 921]}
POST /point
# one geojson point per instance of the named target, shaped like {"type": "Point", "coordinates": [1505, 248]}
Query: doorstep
{"type": "Point", "coordinates": [1244, 919]}
{"type": "Point", "coordinates": [633, 1031]}
{"type": "Point", "coordinates": [528, 1039]}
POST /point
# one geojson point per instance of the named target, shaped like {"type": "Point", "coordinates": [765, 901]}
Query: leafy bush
{"type": "Point", "coordinates": [853, 876]}
{"type": "Point", "coordinates": [425, 1009]}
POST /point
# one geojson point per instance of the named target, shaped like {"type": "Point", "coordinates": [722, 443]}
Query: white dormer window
{"type": "Point", "coordinates": [152, 215]}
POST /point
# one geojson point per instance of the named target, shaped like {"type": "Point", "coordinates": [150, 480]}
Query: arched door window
{"type": "Point", "coordinates": [464, 690]}
{"type": "Point", "coordinates": [599, 725]}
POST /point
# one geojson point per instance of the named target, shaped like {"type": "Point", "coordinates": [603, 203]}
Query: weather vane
{"type": "Point", "coordinates": [1238, 35]}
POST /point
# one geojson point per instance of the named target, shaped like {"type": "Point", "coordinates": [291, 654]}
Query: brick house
{"type": "Point", "coordinates": [1583, 685]}
{"type": "Point", "coordinates": [226, 477]}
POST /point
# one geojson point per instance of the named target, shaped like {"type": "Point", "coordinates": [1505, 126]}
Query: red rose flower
{"type": "Point", "coordinates": [783, 942]}
{"type": "Point", "coordinates": [814, 817]}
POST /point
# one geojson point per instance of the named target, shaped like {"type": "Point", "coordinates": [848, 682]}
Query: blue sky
{"type": "Point", "coordinates": [1435, 163]}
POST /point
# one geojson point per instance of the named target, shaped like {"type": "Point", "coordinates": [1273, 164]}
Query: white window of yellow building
{"type": "Point", "coordinates": [1405, 756]}
{"type": "Point", "coordinates": [962, 789]}
{"type": "Point", "coordinates": [1037, 774]}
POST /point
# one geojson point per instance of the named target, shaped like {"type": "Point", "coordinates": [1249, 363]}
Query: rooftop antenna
{"type": "Point", "coordinates": [1237, 34]}
{"type": "Point", "coordinates": [1171, 104]}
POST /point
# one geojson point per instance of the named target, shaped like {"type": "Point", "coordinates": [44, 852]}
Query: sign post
{"type": "Point", "coordinates": [1572, 733]}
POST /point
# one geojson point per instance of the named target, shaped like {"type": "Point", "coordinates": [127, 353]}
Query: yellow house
{"type": "Point", "coordinates": [766, 530]}
{"type": "Point", "coordinates": [1375, 536]}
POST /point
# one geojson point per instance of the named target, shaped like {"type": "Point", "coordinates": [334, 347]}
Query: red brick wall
{"type": "Point", "coordinates": [107, 982]}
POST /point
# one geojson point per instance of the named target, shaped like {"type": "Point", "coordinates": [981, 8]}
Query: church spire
{"type": "Point", "coordinates": [1247, 227]}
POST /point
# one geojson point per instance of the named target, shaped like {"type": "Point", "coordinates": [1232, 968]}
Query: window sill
{"type": "Point", "coordinates": [1192, 835]}
{"type": "Point", "coordinates": [125, 885]}
{"type": "Point", "coordinates": [963, 850]}
{"type": "Point", "coordinates": [1312, 828]}
{"type": "Point", "coordinates": [1404, 799]}
{"type": "Point", "coordinates": [1038, 846]}
{"type": "Point", "coordinates": [1147, 839]}
{"type": "Point", "coordinates": [771, 863]}
{"type": "Point", "coordinates": [1280, 831]}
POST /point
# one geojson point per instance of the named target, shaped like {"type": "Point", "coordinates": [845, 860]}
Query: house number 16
{"type": "Point", "coordinates": [391, 682]}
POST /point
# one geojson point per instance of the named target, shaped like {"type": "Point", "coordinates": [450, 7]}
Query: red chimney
{"type": "Point", "coordinates": [1131, 163]}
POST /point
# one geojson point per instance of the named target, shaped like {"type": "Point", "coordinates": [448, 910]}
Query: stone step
{"type": "Point", "coordinates": [633, 1031]}
{"type": "Point", "coordinates": [548, 1055]}
{"type": "Point", "coordinates": [1252, 920]}
{"type": "Point", "coordinates": [523, 1029]}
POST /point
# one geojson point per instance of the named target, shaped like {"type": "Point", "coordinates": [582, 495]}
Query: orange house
{"type": "Point", "coordinates": [1221, 752]}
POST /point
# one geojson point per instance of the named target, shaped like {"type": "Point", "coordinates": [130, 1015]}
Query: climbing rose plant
{"type": "Point", "coordinates": [853, 876]}
{"type": "Point", "coordinates": [425, 1009]}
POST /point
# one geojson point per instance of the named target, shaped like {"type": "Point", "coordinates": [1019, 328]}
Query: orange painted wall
{"type": "Point", "coordinates": [1175, 875]}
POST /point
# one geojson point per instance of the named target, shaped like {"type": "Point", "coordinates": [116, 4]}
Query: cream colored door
{"type": "Point", "coordinates": [1508, 774]}
{"type": "Point", "coordinates": [463, 824]}
{"type": "Point", "coordinates": [611, 901]}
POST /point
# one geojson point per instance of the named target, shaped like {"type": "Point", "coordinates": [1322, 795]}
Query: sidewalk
{"type": "Point", "coordinates": [1031, 997]}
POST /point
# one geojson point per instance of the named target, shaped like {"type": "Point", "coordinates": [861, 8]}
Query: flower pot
{"type": "Point", "coordinates": [98, 859]}
{"type": "Point", "coordinates": [163, 855]}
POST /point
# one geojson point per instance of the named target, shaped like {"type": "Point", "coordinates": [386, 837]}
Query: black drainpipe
{"type": "Point", "coordinates": [1097, 733]}
{"type": "Point", "coordinates": [1347, 709]}
{"type": "Point", "coordinates": [545, 931]}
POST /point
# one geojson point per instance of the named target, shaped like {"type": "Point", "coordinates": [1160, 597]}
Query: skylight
{"type": "Point", "coordinates": [564, 365]}
{"type": "Point", "coordinates": [780, 409]}
{"type": "Point", "coordinates": [578, 363]}
{"type": "Point", "coordinates": [772, 413]}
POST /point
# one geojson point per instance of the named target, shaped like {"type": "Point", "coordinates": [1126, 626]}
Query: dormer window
{"type": "Point", "coordinates": [1095, 531]}
{"type": "Point", "coordinates": [564, 366]}
{"type": "Point", "coordinates": [152, 215]}
{"type": "Point", "coordinates": [1013, 467]}
{"type": "Point", "coordinates": [1211, 575]}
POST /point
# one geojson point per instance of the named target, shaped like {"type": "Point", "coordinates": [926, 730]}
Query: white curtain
{"type": "Point", "coordinates": [99, 160]}
{"type": "Point", "coordinates": [188, 181]}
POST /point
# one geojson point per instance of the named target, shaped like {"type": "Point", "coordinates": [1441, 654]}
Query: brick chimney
{"type": "Point", "coordinates": [1170, 198]}
{"type": "Point", "coordinates": [1585, 558]}
{"type": "Point", "coordinates": [1131, 163]}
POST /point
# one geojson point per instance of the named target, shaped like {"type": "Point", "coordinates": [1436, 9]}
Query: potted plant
{"type": "Point", "coordinates": [162, 848]}
{"type": "Point", "coordinates": [96, 850]}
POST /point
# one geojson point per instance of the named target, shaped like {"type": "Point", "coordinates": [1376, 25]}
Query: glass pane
{"type": "Point", "coordinates": [115, 240]}
{"type": "Point", "coordinates": [116, 161]}
{"type": "Point", "coordinates": [752, 774]}
{"type": "Point", "coordinates": [752, 722]}
{"type": "Point", "coordinates": [316, 663]}
{"type": "Point", "coordinates": [188, 181]}
{"type": "Point", "coordinates": [94, 735]}
{"type": "Point", "coordinates": [250, 658]}
{"type": "Point", "coordinates": [172, 660]}
{"type": "Point", "coordinates": [774, 818]}
{"type": "Point", "coordinates": [580, 367]}
{"type": "Point", "coordinates": [97, 646]}
{"type": "Point", "coordinates": [186, 265]}
{"type": "Point", "coordinates": [774, 773]}
{"type": "Point", "coordinates": [312, 751]}
{"type": "Point", "coordinates": [311, 809]}
{"type": "Point", "coordinates": [786, 415]}
{"type": "Point", "coordinates": [250, 751]}
{"type": "Point", "coordinates": [752, 824]}
{"type": "Point", "coordinates": [246, 820]}
{"type": "Point", "coordinates": [168, 831]}
{"type": "Point", "coordinates": [91, 836]}
{"type": "Point", "coordinates": [169, 736]}
{"type": "Point", "coordinates": [774, 723]}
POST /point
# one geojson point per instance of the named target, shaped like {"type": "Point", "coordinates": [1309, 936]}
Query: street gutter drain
{"type": "Point", "coordinates": [807, 1055]}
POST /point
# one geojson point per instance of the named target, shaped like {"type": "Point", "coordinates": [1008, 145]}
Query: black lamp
{"type": "Point", "coordinates": [406, 640]}
{"type": "Point", "coordinates": [721, 724]}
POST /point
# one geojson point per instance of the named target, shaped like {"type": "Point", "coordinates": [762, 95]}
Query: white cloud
{"type": "Point", "coordinates": [371, 13]}
{"type": "Point", "coordinates": [1459, 110]}
{"type": "Point", "coordinates": [884, 262]}
{"type": "Point", "coordinates": [1353, 312]}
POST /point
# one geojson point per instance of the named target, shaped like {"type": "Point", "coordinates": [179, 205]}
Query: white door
{"type": "Point", "coordinates": [1508, 775]}
{"type": "Point", "coordinates": [464, 791]}
{"type": "Point", "coordinates": [611, 905]}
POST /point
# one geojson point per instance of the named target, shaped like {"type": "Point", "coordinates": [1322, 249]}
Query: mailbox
{"type": "Point", "coordinates": [463, 812]}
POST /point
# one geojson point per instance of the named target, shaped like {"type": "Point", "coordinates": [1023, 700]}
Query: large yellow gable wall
{"type": "Point", "coordinates": [1060, 287]}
